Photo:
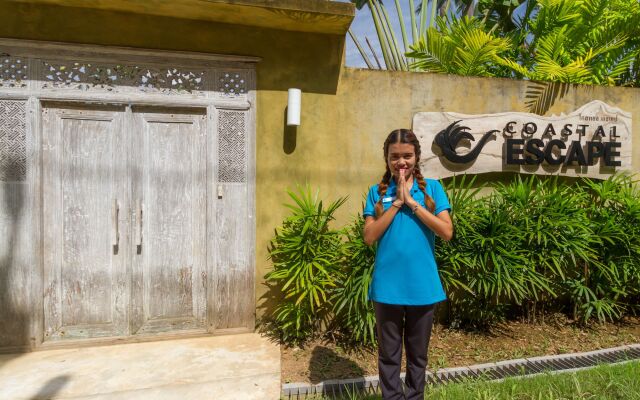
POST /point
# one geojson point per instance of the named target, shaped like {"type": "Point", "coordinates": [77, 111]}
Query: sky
{"type": "Point", "coordinates": [363, 26]}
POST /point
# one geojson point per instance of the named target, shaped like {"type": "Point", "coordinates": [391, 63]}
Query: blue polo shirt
{"type": "Point", "coordinates": [405, 269]}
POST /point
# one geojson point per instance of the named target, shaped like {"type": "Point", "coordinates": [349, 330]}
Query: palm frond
{"type": "Point", "coordinates": [540, 96]}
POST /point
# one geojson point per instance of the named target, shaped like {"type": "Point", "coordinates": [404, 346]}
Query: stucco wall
{"type": "Point", "coordinates": [338, 147]}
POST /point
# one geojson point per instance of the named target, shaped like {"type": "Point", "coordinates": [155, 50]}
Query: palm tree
{"type": "Point", "coordinates": [576, 42]}
{"type": "Point", "coordinates": [422, 18]}
{"type": "Point", "coordinates": [552, 43]}
{"type": "Point", "coordinates": [393, 55]}
{"type": "Point", "coordinates": [459, 46]}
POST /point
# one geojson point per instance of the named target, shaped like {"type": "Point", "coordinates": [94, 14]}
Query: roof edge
{"type": "Point", "coordinates": [316, 16]}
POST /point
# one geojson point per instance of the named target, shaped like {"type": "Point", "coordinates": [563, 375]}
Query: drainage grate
{"type": "Point", "coordinates": [491, 371]}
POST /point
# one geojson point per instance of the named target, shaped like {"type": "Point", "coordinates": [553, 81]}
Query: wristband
{"type": "Point", "coordinates": [415, 208]}
{"type": "Point", "coordinates": [394, 204]}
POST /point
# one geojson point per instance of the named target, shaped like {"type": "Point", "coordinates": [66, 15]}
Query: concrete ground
{"type": "Point", "coordinates": [245, 366]}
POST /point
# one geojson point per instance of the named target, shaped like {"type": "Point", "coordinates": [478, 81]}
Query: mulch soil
{"type": "Point", "coordinates": [321, 360]}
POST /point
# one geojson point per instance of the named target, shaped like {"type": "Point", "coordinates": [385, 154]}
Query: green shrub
{"type": "Point", "coordinates": [538, 241]}
{"type": "Point", "coordinates": [555, 234]}
{"type": "Point", "coordinates": [305, 253]}
{"type": "Point", "coordinates": [610, 286]}
{"type": "Point", "coordinates": [484, 268]}
{"type": "Point", "coordinates": [354, 314]}
{"type": "Point", "coordinates": [535, 244]}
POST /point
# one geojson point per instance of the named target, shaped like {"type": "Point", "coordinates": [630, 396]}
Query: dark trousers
{"type": "Point", "coordinates": [393, 322]}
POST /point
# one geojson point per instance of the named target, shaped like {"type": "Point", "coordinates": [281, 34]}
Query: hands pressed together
{"type": "Point", "coordinates": [441, 224]}
{"type": "Point", "coordinates": [403, 194]}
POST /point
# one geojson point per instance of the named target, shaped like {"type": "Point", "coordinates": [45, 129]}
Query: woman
{"type": "Point", "coordinates": [403, 213]}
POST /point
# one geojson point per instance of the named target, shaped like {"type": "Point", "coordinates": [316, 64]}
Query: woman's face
{"type": "Point", "coordinates": [401, 157]}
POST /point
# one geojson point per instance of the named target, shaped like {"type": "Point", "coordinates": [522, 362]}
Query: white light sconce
{"type": "Point", "coordinates": [293, 107]}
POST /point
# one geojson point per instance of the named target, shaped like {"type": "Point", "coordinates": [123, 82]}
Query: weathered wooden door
{"type": "Point", "coordinates": [123, 220]}
{"type": "Point", "coordinates": [234, 302]}
{"type": "Point", "coordinates": [169, 190]}
{"type": "Point", "coordinates": [84, 241]}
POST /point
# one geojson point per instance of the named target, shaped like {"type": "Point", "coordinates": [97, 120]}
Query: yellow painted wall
{"type": "Point", "coordinates": [346, 113]}
{"type": "Point", "coordinates": [338, 147]}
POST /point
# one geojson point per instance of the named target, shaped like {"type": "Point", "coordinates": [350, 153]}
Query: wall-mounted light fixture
{"type": "Point", "coordinates": [293, 107]}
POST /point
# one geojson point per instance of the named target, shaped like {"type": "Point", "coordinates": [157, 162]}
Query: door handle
{"type": "Point", "coordinates": [115, 228]}
{"type": "Point", "coordinates": [139, 235]}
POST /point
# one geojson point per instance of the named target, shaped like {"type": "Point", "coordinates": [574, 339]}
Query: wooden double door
{"type": "Point", "coordinates": [131, 233]}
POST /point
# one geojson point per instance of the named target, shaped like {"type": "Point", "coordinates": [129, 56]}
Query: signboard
{"type": "Point", "coordinates": [593, 141]}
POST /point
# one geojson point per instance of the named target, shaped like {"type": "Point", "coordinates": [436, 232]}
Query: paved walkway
{"type": "Point", "coordinates": [244, 366]}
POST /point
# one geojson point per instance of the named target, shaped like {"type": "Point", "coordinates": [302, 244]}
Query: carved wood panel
{"type": "Point", "coordinates": [232, 83]}
{"type": "Point", "coordinates": [232, 146]}
{"type": "Point", "coordinates": [234, 274]}
{"type": "Point", "coordinates": [13, 139]}
{"type": "Point", "coordinates": [14, 72]}
{"type": "Point", "coordinates": [90, 76]}
{"type": "Point", "coordinates": [84, 187]}
{"type": "Point", "coordinates": [169, 188]}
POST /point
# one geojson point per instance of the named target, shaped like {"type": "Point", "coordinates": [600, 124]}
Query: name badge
{"type": "Point", "coordinates": [388, 199]}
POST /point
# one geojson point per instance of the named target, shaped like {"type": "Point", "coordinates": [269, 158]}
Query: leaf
{"type": "Point", "coordinates": [542, 95]}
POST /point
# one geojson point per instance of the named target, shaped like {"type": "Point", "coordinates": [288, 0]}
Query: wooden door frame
{"type": "Point", "coordinates": [35, 94]}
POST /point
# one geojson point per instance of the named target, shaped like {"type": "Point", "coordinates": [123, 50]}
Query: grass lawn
{"type": "Point", "coordinates": [605, 382]}
{"type": "Point", "coordinates": [620, 381]}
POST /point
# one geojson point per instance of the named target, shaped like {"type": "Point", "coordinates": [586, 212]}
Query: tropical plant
{"type": "Point", "coordinates": [499, 15]}
{"type": "Point", "coordinates": [305, 253]}
{"type": "Point", "coordinates": [496, 267]}
{"type": "Point", "coordinates": [484, 263]}
{"type": "Point", "coordinates": [465, 201]}
{"type": "Point", "coordinates": [394, 56]}
{"type": "Point", "coordinates": [354, 314]}
{"type": "Point", "coordinates": [552, 43]}
{"type": "Point", "coordinates": [422, 17]}
{"type": "Point", "coordinates": [459, 46]}
{"type": "Point", "coordinates": [532, 245]}
{"type": "Point", "coordinates": [539, 244]}
{"type": "Point", "coordinates": [609, 287]}
{"type": "Point", "coordinates": [554, 231]}
{"type": "Point", "coordinates": [575, 42]}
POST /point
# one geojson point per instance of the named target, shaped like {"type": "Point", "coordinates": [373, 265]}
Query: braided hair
{"type": "Point", "coordinates": [402, 136]}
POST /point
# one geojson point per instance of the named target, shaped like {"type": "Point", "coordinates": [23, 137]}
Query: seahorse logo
{"type": "Point", "coordinates": [448, 139]}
